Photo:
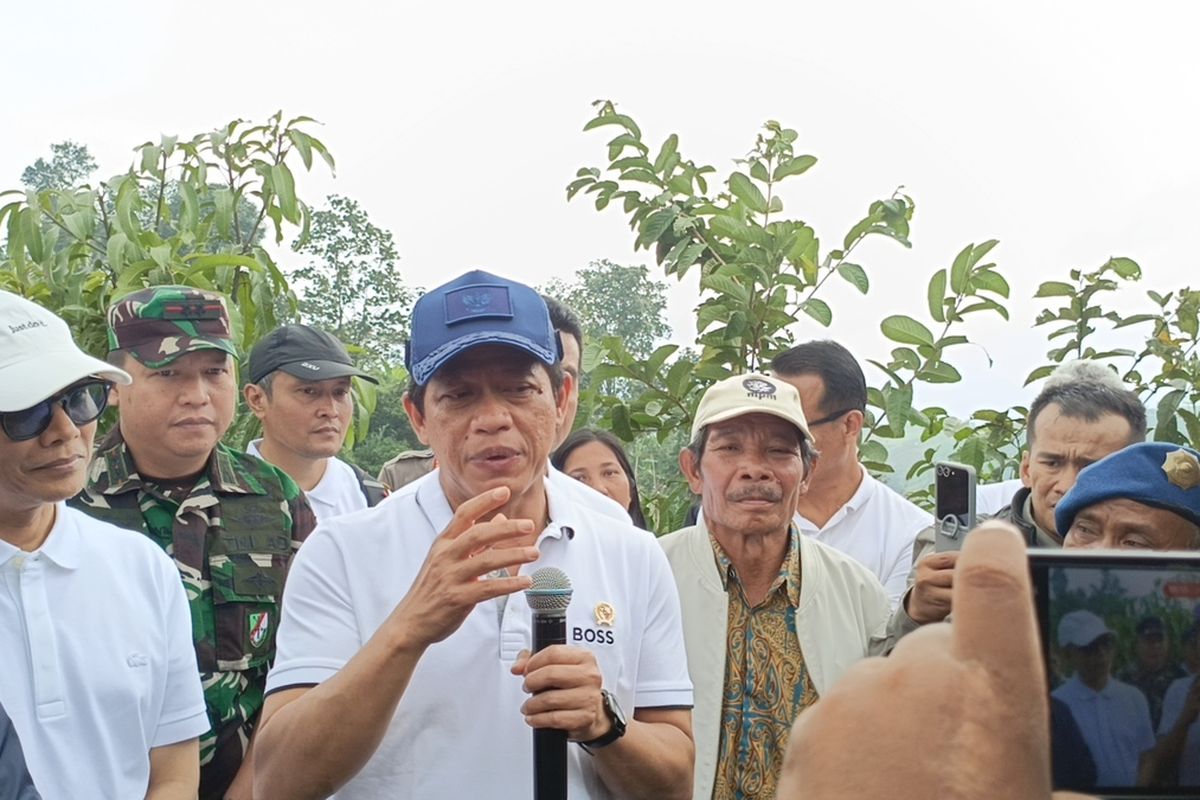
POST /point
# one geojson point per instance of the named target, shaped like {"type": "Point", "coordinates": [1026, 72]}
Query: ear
{"type": "Point", "coordinates": [852, 424]}
{"type": "Point", "coordinates": [256, 399]}
{"type": "Point", "coordinates": [691, 470]}
{"type": "Point", "coordinates": [114, 396]}
{"type": "Point", "coordinates": [1025, 468]}
{"type": "Point", "coordinates": [808, 475]}
{"type": "Point", "coordinates": [416, 418]}
{"type": "Point", "coordinates": [563, 400]}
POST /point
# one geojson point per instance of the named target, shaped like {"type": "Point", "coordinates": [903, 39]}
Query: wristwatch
{"type": "Point", "coordinates": [616, 716]}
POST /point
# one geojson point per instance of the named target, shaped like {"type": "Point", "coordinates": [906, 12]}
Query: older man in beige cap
{"type": "Point", "coordinates": [796, 612]}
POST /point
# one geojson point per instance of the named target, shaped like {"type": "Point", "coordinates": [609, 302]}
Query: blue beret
{"type": "Point", "coordinates": [1154, 473]}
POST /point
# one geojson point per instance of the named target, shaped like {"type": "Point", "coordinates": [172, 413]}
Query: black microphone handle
{"type": "Point", "coordinates": [549, 746]}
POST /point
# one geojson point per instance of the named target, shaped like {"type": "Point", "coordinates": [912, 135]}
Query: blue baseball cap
{"type": "Point", "coordinates": [473, 309]}
{"type": "Point", "coordinates": [1156, 474]}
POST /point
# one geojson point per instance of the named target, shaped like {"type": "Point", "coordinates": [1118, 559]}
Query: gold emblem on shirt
{"type": "Point", "coordinates": [1183, 469]}
{"type": "Point", "coordinates": [605, 614]}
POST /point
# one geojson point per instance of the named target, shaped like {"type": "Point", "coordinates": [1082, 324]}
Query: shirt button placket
{"type": "Point", "coordinates": [43, 649]}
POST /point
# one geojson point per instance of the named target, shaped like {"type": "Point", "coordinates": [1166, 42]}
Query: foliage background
{"type": "Point", "coordinates": [221, 210]}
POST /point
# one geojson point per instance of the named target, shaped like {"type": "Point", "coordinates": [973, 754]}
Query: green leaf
{"type": "Point", "coordinates": [936, 294]}
{"type": "Point", "coordinates": [1192, 422]}
{"type": "Point", "coordinates": [905, 330]}
{"type": "Point", "coordinates": [939, 372]}
{"type": "Point", "coordinates": [300, 140]}
{"type": "Point", "coordinates": [759, 172]}
{"type": "Point", "coordinates": [1055, 289]}
{"type": "Point", "coordinates": [745, 190]}
{"type": "Point", "coordinates": [990, 281]}
{"type": "Point", "coordinates": [1127, 268]}
{"type": "Point", "coordinates": [615, 119]}
{"type": "Point", "coordinates": [856, 275]}
{"type": "Point", "coordinates": [656, 225]}
{"type": "Point", "coordinates": [284, 186]}
{"type": "Point", "coordinates": [818, 309]}
{"type": "Point", "coordinates": [793, 166]}
{"type": "Point", "coordinates": [960, 270]}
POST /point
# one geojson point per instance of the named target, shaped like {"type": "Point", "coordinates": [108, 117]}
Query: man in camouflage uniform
{"type": "Point", "coordinates": [230, 521]}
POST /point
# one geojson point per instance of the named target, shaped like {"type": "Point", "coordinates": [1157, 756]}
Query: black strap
{"type": "Point", "coordinates": [372, 489]}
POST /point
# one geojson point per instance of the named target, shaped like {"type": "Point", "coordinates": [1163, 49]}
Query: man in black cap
{"type": "Point", "coordinates": [301, 392]}
{"type": "Point", "coordinates": [1152, 671]}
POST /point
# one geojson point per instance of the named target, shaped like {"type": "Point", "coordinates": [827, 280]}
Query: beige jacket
{"type": "Point", "coordinates": [842, 608]}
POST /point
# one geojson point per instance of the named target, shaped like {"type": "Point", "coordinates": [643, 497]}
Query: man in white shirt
{"type": "Point", "coordinates": [98, 671]}
{"type": "Point", "coordinates": [1179, 730]}
{"type": "Point", "coordinates": [1113, 716]}
{"type": "Point", "coordinates": [400, 671]}
{"type": "Point", "coordinates": [300, 390]}
{"type": "Point", "coordinates": [844, 506]}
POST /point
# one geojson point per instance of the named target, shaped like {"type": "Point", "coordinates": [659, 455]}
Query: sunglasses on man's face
{"type": "Point", "coordinates": [83, 403]}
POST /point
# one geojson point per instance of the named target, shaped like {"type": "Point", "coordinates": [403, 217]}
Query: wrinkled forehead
{"type": "Point", "coordinates": [486, 362]}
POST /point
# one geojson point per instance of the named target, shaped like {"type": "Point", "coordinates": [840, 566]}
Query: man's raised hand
{"type": "Point", "coordinates": [452, 580]}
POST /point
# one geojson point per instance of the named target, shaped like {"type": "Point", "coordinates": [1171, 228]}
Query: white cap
{"type": "Point", "coordinates": [1080, 628]}
{"type": "Point", "coordinates": [38, 357]}
{"type": "Point", "coordinates": [752, 393]}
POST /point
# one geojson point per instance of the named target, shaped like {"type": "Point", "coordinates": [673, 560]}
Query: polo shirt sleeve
{"type": "Point", "coordinates": [318, 631]}
{"type": "Point", "coordinates": [662, 667]}
{"type": "Point", "coordinates": [183, 714]}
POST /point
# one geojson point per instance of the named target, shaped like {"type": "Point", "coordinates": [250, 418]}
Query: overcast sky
{"type": "Point", "coordinates": [1066, 130]}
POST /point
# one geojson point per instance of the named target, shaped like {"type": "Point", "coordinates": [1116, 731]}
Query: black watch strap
{"type": "Point", "coordinates": [615, 715]}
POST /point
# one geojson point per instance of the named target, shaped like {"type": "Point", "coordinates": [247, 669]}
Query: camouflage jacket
{"type": "Point", "coordinates": [232, 536]}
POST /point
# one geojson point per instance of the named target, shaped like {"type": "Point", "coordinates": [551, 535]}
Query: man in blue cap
{"type": "Point", "coordinates": [403, 667]}
{"type": "Point", "coordinates": [1146, 496]}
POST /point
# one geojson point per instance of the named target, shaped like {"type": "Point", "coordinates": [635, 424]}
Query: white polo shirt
{"type": "Point", "coordinates": [97, 665]}
{"type": "Point", "coordinates": [579, 492]}
{"type": "Point", "coordinates": [876, 527]}
{"type": "Point", "coordinates": [1189, 760]}
{"type": "Point", "coordinates": [338, 492]}
{"type": "Point", "coordinates": [1115, 723]}
{"type": "Point", "coordinates": [458, 731]}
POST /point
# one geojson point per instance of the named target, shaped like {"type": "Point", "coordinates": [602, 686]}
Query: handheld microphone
{"type": "Point", "coordinates": [548, 599]}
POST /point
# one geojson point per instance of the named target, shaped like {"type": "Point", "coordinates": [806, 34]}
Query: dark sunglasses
{"type": "Point", "coordinates": [830, 417]}
{"type": "Point", "coordinates": [83, 402]}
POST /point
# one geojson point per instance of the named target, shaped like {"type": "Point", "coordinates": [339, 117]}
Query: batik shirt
{"type": "Point", "coordinates": [232, 535]}
{"type": "Point", "coordinates": [766, 681]}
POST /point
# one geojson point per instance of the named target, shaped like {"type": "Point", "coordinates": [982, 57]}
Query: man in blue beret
{"type": "Point", "coordinates": [1146, 496]}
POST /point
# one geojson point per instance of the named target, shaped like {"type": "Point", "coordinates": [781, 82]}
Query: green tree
{"type": "Point", "coordinates": [353, 287]}
{"type": "Point", "coordinates": [70, 165]}
{"type": "Point", "coordinates": [615, 300]}
{"type": "Point", "coordinates": [75, 248]}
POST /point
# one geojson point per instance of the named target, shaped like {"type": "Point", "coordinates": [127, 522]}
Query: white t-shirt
{"type": "Point", "coordinates": [97, 665]}
{"type": "Point", "coordinates": [876, 527]}
{"type": "Point", "coordinates": [1115, 723]}
{"type": "Point", "coordinates": [458, 731]}
{"type": "Point", "coordinates": [1189, 760]}
{"type": "Point", "coordinates": [338, 492]}
{"type": "Point", "coordinates": [992, 498]}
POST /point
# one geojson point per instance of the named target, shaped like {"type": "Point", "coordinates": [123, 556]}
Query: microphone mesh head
{"type": "Point", "coordinates": [551, 590]}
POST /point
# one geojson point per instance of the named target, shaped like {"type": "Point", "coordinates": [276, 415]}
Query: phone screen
{"type": "Point", "coordinates": [1121, 635]}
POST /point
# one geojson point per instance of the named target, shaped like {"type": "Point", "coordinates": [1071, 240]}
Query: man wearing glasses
{"type": "Point", "coordinates": [99, 676]}
{"type": "Point", "coordinates": [844, 506]}
{"type": "Point", "coordinates": [230, 521]}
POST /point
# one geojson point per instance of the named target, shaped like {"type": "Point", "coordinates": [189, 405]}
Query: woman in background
{"type": "Point", "coordinates": [597, 459]}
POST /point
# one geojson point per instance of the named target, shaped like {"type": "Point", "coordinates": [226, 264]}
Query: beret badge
{"type": "Point", "coordinates": [1182, 468]}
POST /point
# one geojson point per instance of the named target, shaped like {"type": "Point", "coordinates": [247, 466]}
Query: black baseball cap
{"type": "Point", "coordinates": [303, 352]}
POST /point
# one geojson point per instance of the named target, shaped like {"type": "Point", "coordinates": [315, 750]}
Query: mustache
{"type": "Point", "coordinates": [771, 494]}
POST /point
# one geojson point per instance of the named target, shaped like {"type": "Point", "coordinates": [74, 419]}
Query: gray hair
{"type": "Point", "coordinates": [1088, 390]}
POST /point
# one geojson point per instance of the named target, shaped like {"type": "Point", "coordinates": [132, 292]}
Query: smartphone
{"type": "Point", "coordinates": [1121, 638]}
{"type": "Point", "coordinates": [954, 504]}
